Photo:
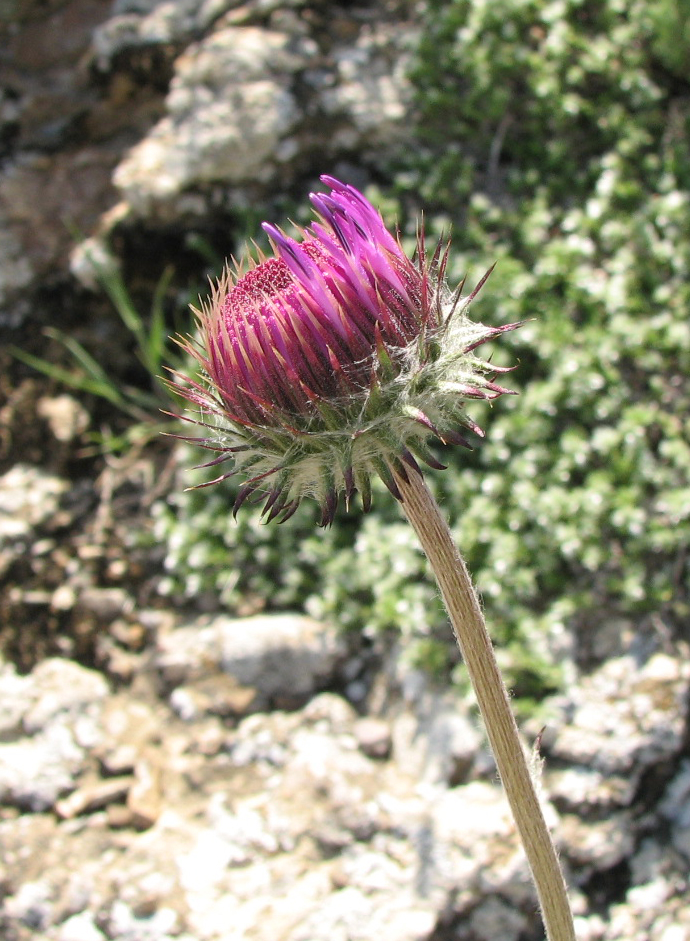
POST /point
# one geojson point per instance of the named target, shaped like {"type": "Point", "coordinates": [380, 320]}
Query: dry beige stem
{"type": "Point", "coordinates": [477, 650]}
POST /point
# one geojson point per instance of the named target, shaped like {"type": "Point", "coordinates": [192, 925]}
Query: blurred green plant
{"type": "Point", "coordinates": [571, 165]}
{"type": "Point", "coordinates": [671, 34]}
{"type": "Point", "coordinates": [153, 348]}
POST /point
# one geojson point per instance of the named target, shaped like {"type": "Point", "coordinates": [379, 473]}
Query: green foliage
{"type": "Point", "coordinates": [577, 507]}
{"type": "Point", "coordinates": [364, 573]}
{"type": "Point", "coordinates": [154, 350]}
{"type": "Point", "coordinates": [671, 34]}
{"type": "Point", "coordinates": [554, 135]}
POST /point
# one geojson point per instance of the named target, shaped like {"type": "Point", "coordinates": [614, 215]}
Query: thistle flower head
{"type": "Point", "coordinates": [337, 358]}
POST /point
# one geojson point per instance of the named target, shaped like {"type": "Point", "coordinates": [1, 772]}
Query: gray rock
{"type": "Point", "coordinates": [29, 499]}
{"type": "Point", "coordinates": [16, 274]}
{"type": "Point", "coordinates": [374, 737]}
{"type": "Point", "coordinates": [35, 772]}
{"type": "Point", "coordinates": [105, 604]}
{"type": "Point", "coordinates": [218, 694]}
{"type": "Point", "coordinates": [362, 914]}
{"type": "Point", "coordinates": [129, 727]}
{"type": "Point", "coordinates": [65, 416]}
{"type": "Point", "coordinates": [14, 693]}
{"type": "Point", "coordinates": [494, 919]}
{"type": "Point", "coordinates": [285, 658]}
{"type": "Point", "coordinates": [622, 719]}
{"type": "Point", "coordinates": [229, 108]}
{"type": "Point", "coordinates": [589, 792]}
{"type": "Point", "coordinates": [369, 847]}
{"type": "Point", "coordinates": [45, 749]}
{"type": "Point", "coordinates": [364, 855]}
{"type": "Point", "coordinates": [128, 925]}
{"type": "Point", "coordinates": [596, 846]}
{"type": "Point", "coordinates": [50, 176]}
{"type": "Point", "coordinates": [675, 808]}
{"type": "Point", "coordinates": [436, 740]}
{"type": "Point", "coordinates": [136, 23]}
{"type": "Point", "coordinates": [258, 90]}
{"type": "Point", "coordinates": [651, 912]}
{"type": "Point", "coordinates": [61, 688]}
{"type": "Point", "coordinates": [81, 927]}
{"type": "Point", "coordinates": [369, 88]}
{"type": "Point", "coordinates": [33, 905]}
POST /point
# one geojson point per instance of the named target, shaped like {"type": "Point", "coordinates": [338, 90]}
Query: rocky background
{"type": "Point", "coordinates": [167, 773]}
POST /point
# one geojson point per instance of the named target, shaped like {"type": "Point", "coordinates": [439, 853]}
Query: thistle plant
{"type": "Point", "coordinates": [339, 358]}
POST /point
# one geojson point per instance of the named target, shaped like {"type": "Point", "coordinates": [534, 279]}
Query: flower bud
{"type": "Point", "coordinates": [337, 358]}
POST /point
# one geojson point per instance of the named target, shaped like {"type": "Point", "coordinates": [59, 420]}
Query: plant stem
{"type": "Point", "coordinates": [477, 651]}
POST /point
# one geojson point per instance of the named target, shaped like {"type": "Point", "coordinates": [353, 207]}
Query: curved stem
{"type": "Point", "coordinates": [477, 651]}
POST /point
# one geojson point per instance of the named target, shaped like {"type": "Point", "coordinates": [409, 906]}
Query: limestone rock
{"type": "Point", "coordinates": [229, 109]}
{"type": "Point", "coordinates": [47, 747]}
{"type": "Point", "coordinates": [374, 737]}
{"type": "Point", "coordinates": [284, 658]}
{"type": "Point", "coordinates": [29, 499]}
{"type": "Point", "coordinates": [148, 23]}
{"type": "Point", "coordinates": [436, 740]}
{"type": "Point", "coordinates": [370, 89]}
{"type": "Point", "coordinates": [622, 719]}
{"type": "Point", "coordinates": [66, 417]}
